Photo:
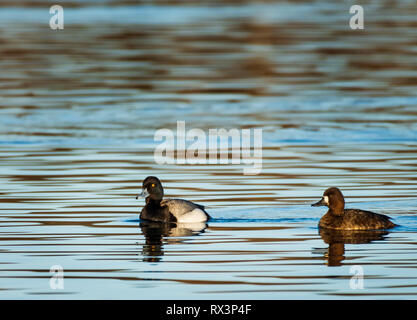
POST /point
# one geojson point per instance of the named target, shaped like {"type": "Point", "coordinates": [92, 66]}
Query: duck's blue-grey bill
{"type": "Point", "coordinates": [143, 194]}
{"type": "Point", "coordinates": [319, 203]}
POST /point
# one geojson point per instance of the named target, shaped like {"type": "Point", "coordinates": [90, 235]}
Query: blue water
{"type": "Point", "coordinates": [79, 109]}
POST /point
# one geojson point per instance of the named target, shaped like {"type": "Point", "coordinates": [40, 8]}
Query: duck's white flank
{"type": "Point", "coordinates": [196, 215]}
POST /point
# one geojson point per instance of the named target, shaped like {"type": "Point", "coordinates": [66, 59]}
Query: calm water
{"type": "Point", "coordinates": [79, 108]}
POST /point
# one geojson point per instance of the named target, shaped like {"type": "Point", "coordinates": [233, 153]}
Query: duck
{"type": "Point", "coordinates": [168, 210]}
{"type": "Point", "coordinates": [339, 218]}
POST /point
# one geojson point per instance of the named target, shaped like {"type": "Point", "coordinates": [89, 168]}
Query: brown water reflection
{"type": "Point", "coordinates": [336, 239]}
{"type": "Point", "coordinates": [79, 108]}
{"type": "Point", "coordinates": [156, 233]}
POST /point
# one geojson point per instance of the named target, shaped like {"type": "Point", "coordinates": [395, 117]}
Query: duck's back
{"type": "Point", "coordinates": [355, 219]}
{"type": "Point", "coordinates": [185, 211]}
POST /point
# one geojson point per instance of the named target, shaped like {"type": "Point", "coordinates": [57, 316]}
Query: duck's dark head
{"type": "Point", "coordinates": [152, 189]}
{"type": "Point", "coordinates": [333, 199]}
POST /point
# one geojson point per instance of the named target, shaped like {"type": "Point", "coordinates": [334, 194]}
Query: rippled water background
{"type": "Point", "coordinates": [79, 108]}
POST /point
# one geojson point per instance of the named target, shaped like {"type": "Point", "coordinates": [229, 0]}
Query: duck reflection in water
{"type": "Point", "coordinates": [336, 239]}
{"type": "Point", "coordinates": [157, 234]}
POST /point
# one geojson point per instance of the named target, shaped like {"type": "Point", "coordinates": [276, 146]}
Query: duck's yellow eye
{"type": "Point", "coordinates": [153, 185]}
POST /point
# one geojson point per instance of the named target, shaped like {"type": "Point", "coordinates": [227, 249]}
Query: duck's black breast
{"type": "Point", "coordinates": [355, 219]}
{"type": "Point", "coordinates": [157, 213]}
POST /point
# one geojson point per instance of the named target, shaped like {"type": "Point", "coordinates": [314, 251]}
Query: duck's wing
{"type": "Point", "coordinates": [179, 207]}
{"type": "Point", "coordinates": [185, 211]}
{"type": "Point", "coordinates": [367, 219]}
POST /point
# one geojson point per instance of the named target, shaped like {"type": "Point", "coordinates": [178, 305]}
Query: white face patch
{"type": "Point", "coordinates": [326, 199]}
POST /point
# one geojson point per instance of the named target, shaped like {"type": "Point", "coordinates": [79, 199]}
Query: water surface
{"type": "Point", "coordinates": [79, 108]}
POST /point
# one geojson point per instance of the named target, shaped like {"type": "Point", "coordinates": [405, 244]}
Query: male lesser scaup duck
{"type": "Point", "coordinates": [337, 217]}
{"type": "Point", "coordinates": [168, 210]}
